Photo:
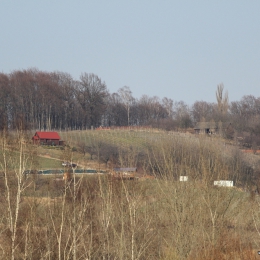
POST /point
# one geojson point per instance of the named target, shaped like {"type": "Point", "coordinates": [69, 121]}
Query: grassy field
{"type": "Point", "coordinates": [116, 137]}
{"type": "Point", "coordinates": [48, 163]}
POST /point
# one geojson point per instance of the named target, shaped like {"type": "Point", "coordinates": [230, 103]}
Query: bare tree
{"type": "Point", "coordinates": [127, 99]}
{"type": "Point", "coordinates": [182, 114]}
{"type": "Point", "coordinates": [222, 99]}
{"type": "Point", "coordinates": [91, 95]}
{"type": "Point", "coordinates": [5, 93]}
{"type": "Point", "coordinates": [168, 105]}
{"type": "Point", "coordinates": [15, 158]}
{"type": "Point", "coordinates": [202, 109]}
{"type": "Point", "coordinates": [115, 114]}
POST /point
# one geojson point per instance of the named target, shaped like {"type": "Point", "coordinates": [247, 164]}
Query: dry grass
{"type": "Point", "coordinates": [96, 217]}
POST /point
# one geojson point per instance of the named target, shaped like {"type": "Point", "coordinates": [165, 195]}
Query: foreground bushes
{"type": "Point", "coordinates": [97, 218]}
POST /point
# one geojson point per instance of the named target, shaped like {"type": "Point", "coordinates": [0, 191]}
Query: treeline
{"type": "Point", "coordinates": [43, 100]}
{"type": "Point", "coordinates": [35, 99]}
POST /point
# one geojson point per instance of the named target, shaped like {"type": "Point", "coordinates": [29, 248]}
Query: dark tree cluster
{"type": "Point", "coordinates": [34, 99]}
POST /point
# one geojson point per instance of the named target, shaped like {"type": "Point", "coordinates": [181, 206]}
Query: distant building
{"type": "Point", "coordinates": [47, 138]}
{"type": "Point", "coordinates": [125, 169]}
{"type": "Point", "coordinates": [124, 173]}
{"type": "Point", "coordinates": [212, 127]}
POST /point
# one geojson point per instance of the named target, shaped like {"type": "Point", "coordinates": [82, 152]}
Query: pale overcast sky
{"type": "Point", "coordinates": [176, 49]}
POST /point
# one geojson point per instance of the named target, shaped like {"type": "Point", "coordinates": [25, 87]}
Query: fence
{"type": "Point", "coordinates": [77, 171]}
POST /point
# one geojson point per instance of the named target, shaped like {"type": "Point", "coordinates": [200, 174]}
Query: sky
{"type": "Point", "coordinates": [176, 49]}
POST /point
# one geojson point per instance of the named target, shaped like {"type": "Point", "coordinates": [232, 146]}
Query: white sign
{"type": "Point", "coordinates": [183, 178]}
{"type": "Point", "coordinates": [223, 183]}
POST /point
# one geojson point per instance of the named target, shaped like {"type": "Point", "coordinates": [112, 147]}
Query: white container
{"type": "Point", "coordinates": [183, 178]}
{"type": "Point", "coordinates": [223, 183]}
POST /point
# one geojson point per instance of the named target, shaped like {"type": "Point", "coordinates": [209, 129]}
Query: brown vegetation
{"type": "Point", "coordinates": [96, 217]}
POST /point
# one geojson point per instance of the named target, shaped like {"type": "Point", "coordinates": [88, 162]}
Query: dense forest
{"type": "Point", "coordinates": [34, 99]}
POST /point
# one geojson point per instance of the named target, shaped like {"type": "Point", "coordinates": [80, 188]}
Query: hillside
{"type": "Point", "coordinates": [96, 216]}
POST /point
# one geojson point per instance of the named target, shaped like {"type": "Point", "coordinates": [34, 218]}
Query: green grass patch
{"type": "Point", "coordinates": [46, 163]}
{"type": "Point", "coordinates": [117, 138]}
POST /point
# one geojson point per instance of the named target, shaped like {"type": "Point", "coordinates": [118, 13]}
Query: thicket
{"type": "Point", "coordinates": [167, 155]}
{"type": "Point", "coordinates": [97, 217]}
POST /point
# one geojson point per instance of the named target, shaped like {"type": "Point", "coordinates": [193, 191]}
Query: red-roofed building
{"type": "Point", "coordinates": [49, 138]}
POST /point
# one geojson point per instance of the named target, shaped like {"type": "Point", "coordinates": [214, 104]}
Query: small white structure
{"type": "Point", "coordinates": [223, 183]}
{"type": "Point", "coordinates": [183, 178]}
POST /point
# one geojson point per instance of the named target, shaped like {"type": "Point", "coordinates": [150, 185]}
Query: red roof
{"type": "Point", "coordinates": [47, 135]}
